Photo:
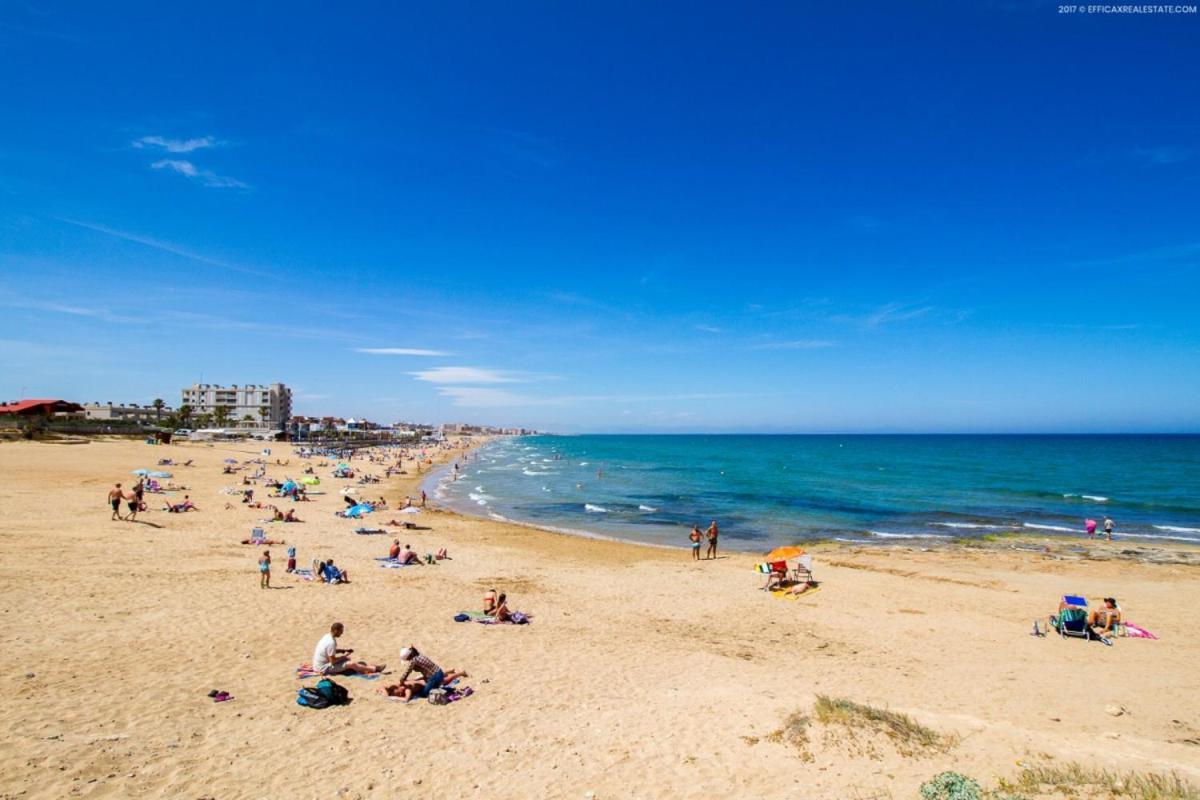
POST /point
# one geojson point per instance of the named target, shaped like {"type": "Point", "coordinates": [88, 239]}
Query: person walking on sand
{"type": "Point", "coordinates": [115, 495]}
{"type": "Point", "coordinates": [423, 498]}
{"type": "Point", "coordinates": [712, 540]}
{"type": "Point", "coordinates": [132, 503]}
{"type": "Point", "coordinates": [264, 570]}
{"type": "Point", "coordinates": [1108, 528]}
{"type": "Point", "coordinates": [695, 538]}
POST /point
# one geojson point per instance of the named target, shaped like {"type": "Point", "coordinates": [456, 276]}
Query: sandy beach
{"type": "Point", "coordinates": [643, 674]}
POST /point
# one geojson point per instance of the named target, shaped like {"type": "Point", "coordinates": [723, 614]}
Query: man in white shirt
{"type": "Point", "coordinates": [329, 659]}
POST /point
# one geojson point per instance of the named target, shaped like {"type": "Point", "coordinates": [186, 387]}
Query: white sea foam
{"type": "Point", "coordinates": [647, 508]}
{"type": "Point", "coordinates": [1049, 527]}
{"type": "Point", "coordinates": [883, 535]}
{"type": "Point", "coordinates": [591, 509]}
{"type": "Point", "coordinates": [583, 463]}
{"type": "Point", "coordinates": [1157, 536]}
{"type": "Point", "coordinates": [479, 488]}
{"type": "Point", "coordinates": [969, 525]}
{"type": "Point", "coordinates": [1095, 498]}
{"type": "Point", "coordinates": [535, 472]}
{"type": "Point", "coordinates": [1177, 529]}
{"type": "Point", "coordinates": [498, 517]}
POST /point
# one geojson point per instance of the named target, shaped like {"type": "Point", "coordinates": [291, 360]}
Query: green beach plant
{"type": "Point", "coordinates": [1072, 777]}
{"type": "Point", "coordinates": [909, 736]}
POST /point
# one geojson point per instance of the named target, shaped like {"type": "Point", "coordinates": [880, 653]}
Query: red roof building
{"type": "Point", "coordinates": [29, 408]}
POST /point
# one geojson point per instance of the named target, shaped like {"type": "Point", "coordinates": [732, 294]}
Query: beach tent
{"type": "Point", "coordinates": [290, 486]}
{"type": "Point", "coordinates": [359, 510]}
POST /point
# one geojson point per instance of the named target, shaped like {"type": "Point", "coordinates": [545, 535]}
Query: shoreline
{"type": "Point", "coordinates": [1184, 551]}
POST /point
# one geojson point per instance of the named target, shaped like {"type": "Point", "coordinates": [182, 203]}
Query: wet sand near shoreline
{"type": "Point", "coordinates": [644, 674]}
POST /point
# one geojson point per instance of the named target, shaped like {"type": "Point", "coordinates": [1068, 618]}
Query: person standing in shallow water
{"type": "Point", "coordinates": [712, 540]}
{"type": "Point", "coordinates": [1108, 528]}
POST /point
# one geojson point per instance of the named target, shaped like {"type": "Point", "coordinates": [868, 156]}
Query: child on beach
{"type": "Point", "coordinates": [695, 538]}
{"type": "Point", "coordinates": [291, 554]}
{"type": "Point", "coordinates": [264, 570]}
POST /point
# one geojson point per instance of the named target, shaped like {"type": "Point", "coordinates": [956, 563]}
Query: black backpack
{"type": "Point", "coordinates": [326, 693]}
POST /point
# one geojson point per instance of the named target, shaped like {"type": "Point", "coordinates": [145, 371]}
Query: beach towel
{"type": "Point", "coordinates": [483, 619]}
{"type": "Point", "coordinates": [784, 594]}
{"type": "Point", "coordinates": [304, 574]}
{"type": "Point", "coordinates": [368, 531]}
{"type": "Point", "coordinates": [306, 671]}
{"type": "Point", "coordinates": [1138, 632]}
{"type": "Point", "coordinates": [389, 563]}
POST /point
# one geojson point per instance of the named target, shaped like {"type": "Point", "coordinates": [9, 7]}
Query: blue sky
{"type": "Point", "coordinates": [631, 217]}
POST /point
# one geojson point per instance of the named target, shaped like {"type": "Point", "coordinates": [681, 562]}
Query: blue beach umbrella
{"type": "Point", "coordinates": [287, 487]}
{"type": "Point", "coordinates": [142, 472]}
{"type": "Point", "coordinates": [359, 510]}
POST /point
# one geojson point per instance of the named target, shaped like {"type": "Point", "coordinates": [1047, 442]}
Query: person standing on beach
{"type": "Point", "coordinates": [695, 537]}
{"type": "Point", "coordinates": [1089, 525]}
{"type": "Point", "coordinates": [264, 570]}
{"type": "Point", "coordinates": [1108, 528]}
{"type": "Point", "coordinates": [131, 500]}
{"type": "Point", "coordinates": [712, 540]}
{"type": "Point", "coordinates": [115, 495]}
{"type": "Point", "coordinates": [423, 498]}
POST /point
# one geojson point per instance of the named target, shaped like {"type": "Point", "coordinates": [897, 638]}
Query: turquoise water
{"type": "Point", "coordinates": [769, 490]}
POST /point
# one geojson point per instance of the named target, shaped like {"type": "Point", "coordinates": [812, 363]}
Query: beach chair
{"type": "Point", "coordinates": [776, 572]}
{"type": "Point", "coordinates": [258, 535]}
{"type": "Point", "coordinates": [1073, 620]}
{"type": "Point", "coordinates": [803, 570]}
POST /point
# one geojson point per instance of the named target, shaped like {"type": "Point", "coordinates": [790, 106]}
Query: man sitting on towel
{"type": "Point", "coordinates": [409, 556]}
{"type": "Point", "coordinates": [329, 659]}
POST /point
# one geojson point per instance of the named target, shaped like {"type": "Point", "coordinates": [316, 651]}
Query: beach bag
{"type": "Point", "coordinates": [439, 697]}
{"type": "Point", "coordinates": [309, 697]}
{"type": "Point", "coordinates": [334, 693]}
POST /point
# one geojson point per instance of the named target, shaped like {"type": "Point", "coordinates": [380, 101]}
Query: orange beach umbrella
{"type": "Point", "coordinates": [784, 553]}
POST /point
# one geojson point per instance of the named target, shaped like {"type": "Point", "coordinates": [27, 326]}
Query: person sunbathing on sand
{"type": "Point", "coordinates": [434, 676]}
{"type": "Point", "coordinates": [801, 587]}
{"type": "Point", "coordinates": [290, 516]}
{"type": "Point", "coordinates": [331, 574]}
{"type": "Point", "coordinates": [180, 508]}
{"type": "Point", "coordinates": [1109, 616]}
{"type": "Point", "coordinates": [329, 659]}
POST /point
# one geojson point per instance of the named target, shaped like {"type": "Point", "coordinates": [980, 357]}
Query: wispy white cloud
{"type": "Point", "coordinates": [468, 375]}
{"type": "Point", "coordinates": [158, 244]}
{"type": "Point", "coordinates": [708, 329]}
{"type": "Point", "coordinates": [487, 397]}
{"type": "Point", "coordinates": [399, 351]}
{"type": "Point", "coordinates": [886, 314]}
{"type": "Point", "coordinates": [205, 176]}
{"type": "Point", "coordinates": [175, 145]}
{"type": "Point", "coordinates": [796, 344]}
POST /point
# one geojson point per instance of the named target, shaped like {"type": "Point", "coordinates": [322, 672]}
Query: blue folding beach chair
{"type": "Point", "coordinates": [1073, 619]}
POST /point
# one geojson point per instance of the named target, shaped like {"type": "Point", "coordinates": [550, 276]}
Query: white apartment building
{"type": "Point", "coordinates": [268, 406]}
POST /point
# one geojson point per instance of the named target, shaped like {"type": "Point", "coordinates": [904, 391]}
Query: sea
{"type": "Point", "coordinates": [768, 490]}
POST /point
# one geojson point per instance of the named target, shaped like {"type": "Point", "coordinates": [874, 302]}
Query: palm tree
{"type": "Point", "coordinates": [264, 412]}
{"type": "Point", "coordinates": [184, 412]}
{"type": "Point", "coordinates": [221, 415]}
{"type": "Point", "coordinates": [158, 407]}
{"type": "Point", "coordinates": [249, 419]}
